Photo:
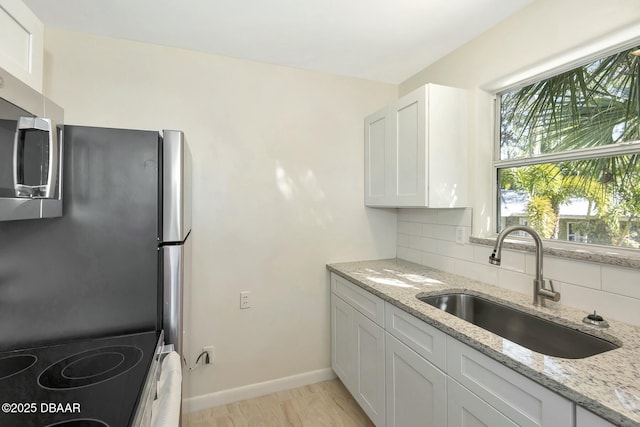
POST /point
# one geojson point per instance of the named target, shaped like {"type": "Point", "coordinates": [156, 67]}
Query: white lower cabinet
{"type": "Point", "coordinates": [405, 373]}
{"type": "Point", "coordinates": [585, 418]}
{"type": "Point", "coordinates": [465, 409]}
{"type": "Point", "coordinates": [369, 387]}
{"type": "Point", "coordinates": [416, 390]}
{"type": "Point", "coordinates": [343, 358]}
{"type": "Point", "coordinates": [527, 403]}
{"type": "Point", "coordinates": [357, 357]}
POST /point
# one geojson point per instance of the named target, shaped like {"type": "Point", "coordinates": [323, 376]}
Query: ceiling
{"type": "Point", "coordinates": [382, 40]}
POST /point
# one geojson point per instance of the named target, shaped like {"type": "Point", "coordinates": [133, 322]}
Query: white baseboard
{"type": "Point", "coordinates": [198, 403]}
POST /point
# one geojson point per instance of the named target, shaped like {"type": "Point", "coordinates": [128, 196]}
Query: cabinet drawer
{"type": "Point", "coordinates": [363, 301]}
{"type": "Point", "coordinates": [425, 340]}
{"type": "Point", "coordinates": [522, 400]}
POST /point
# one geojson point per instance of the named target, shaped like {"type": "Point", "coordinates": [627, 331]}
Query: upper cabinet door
{"type": "Point", "coordinates": [409, 150]}
{"type": "Point", "coordinates": [21, 43]}
{"type": "Point", "coordinates": [417, 147]}
{"type": "Point", "coordinates": [377, 152]}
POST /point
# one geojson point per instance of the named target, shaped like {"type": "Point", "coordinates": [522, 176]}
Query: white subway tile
{"type": "Point", "coordinates": [583, 274]}
{"type": "Point", "coordinates": [481, 253]}
{"type": "Point", "coordinates": [623, 281]}
{"type": "Point", "coordinates": [438, 261]}
{"type": "Point", "coordinates": [608, 305]}
{"type": "Point", "coordinates": [472, 270]}
{"type": "Point", "coordinates": [422, 244]}
{"type": "Point", "coordinates": [409, 254]}
{"type": "Point", "coordinates": [516, 281]}
{"type": "Point", "coordinates": [454, 250]}
{"type": "Point", "coordinates": [456, 217]}
{"type": "Point", "coordinates": [402, 240]}
{"type": "Point", "coordinates": [411, 228]}
{"type": "Point", "coordinates": [440, 232]}
{"type": "Point", "coordinates": [510, 260]}
{"type": "Point", "coordinates": [513, 260]}
{"type": "Point", "coordinates": [421, 215]}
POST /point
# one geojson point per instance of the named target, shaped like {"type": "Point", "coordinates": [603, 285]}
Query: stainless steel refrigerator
{"type": "Point", "coordinates": [118, 259]}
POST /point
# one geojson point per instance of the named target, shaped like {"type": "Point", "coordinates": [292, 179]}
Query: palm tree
{"type": "Point", "coordinates": [550, 186]}
{"type": "Point", "coordinates": [590, 106]}
{"type": "Point", "coordinates": [595, 105]}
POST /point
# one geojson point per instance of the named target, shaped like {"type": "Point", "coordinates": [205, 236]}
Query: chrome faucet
{"type": "Point", "coordinates": [540, 292]}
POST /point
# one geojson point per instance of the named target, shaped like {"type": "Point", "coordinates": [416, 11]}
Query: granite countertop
{"type": "Point", "coordinates": [607, 384]}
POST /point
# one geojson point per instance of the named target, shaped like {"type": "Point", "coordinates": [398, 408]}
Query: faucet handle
{"type": "Point", "coordinates": [549, 294]}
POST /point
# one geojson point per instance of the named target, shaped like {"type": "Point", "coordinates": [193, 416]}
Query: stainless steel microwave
{"type": "Point", "coordinates": [30, 152]}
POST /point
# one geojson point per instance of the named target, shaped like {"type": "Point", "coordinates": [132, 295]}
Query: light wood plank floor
{"type": "Point", "coordinates": [323, 404]}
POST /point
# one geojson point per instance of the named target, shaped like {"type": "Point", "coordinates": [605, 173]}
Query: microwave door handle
{"type": "Point", "coordinates": [47, 125]}
{"type": "Point", "coordinates": [52, 131]}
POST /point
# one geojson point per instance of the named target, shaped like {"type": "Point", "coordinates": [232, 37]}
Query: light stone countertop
{"type": "Point", "coordinates": [608, 384]}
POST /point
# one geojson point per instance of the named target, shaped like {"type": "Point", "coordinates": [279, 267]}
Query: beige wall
{"type": "Point", "coordinates": [540, 36]}
{"type": "Point", "coordinates": [278, 185]}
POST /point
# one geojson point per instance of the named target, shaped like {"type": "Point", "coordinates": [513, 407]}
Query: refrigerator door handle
{"type": "Point", "coordinates": [176, 289]}
{"type": "Point", "coordinates": [176, 191]}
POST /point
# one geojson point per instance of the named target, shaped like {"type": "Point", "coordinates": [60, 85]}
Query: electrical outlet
{"type": "Point", "coordinates": [460, 235]}
{"type": "Point", "coordinates": [245, 299]}
{"type": "Point", "coordinates": [210, 352]}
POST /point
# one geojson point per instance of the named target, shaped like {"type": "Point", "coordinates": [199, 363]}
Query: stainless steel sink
{"type": "Point", "coordinates": [532, 332]}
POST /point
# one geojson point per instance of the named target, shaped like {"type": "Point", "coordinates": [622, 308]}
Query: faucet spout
{"type": "Point", "coordinates": [540, 292]}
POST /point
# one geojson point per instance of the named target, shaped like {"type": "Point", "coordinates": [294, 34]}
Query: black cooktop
{"type": "Point", "coordinates": [90, 383]}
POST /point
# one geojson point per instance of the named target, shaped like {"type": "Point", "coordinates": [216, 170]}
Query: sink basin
{"type": "Point", "coordinates": [532, 332]}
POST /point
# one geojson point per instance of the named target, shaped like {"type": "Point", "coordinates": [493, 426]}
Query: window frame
{"type": "Point", "coordinates": [578, 59]}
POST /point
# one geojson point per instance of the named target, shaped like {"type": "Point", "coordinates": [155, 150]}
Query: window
{"type": "Point", "coordinates": [567, 159]}
{"type": "Point", "coordinates": [573, 233]}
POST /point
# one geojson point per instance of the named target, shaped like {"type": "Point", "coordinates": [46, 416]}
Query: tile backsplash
{"type": "Point", "coordinates": [428, 237]}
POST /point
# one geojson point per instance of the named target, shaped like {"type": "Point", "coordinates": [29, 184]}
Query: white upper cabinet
{"type": "Point", "coordinates": [416, 150]}
{"type": "Point", "coordinates": [21, 43]}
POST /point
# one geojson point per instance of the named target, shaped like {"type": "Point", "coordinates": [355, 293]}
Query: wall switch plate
{"type": "Point", "coordinates": [245, 299]}
{"type": "Point", "coordinates": [460, 235]}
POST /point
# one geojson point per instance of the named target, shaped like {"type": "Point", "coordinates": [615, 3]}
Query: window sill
{"type": "Point", "coordinates": [618, 257]}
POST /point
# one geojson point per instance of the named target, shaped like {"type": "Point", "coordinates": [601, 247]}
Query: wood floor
{"type": "Point", "coordinates": [323, 404]}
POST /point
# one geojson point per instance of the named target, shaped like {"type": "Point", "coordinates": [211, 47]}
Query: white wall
{"type": "Point", "coordinates": [543, 32]}
{"type": "Point", "coordinates": [278, 187]}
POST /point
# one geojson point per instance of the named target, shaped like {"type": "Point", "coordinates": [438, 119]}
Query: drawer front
{"type": "Point", "coordinates": [363, 301]}
{"type": "Point", "coordinates": [522, 400]}
{"type": "Point", "coordinates": [425, 340]}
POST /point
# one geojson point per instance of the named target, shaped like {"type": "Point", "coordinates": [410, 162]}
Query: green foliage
{"type": "Point", "coordinates": [590, 106]}
{"type": "Point", "coordinates": [541, 216]}
{"type": "Point", "coordinates": [596, 105]}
